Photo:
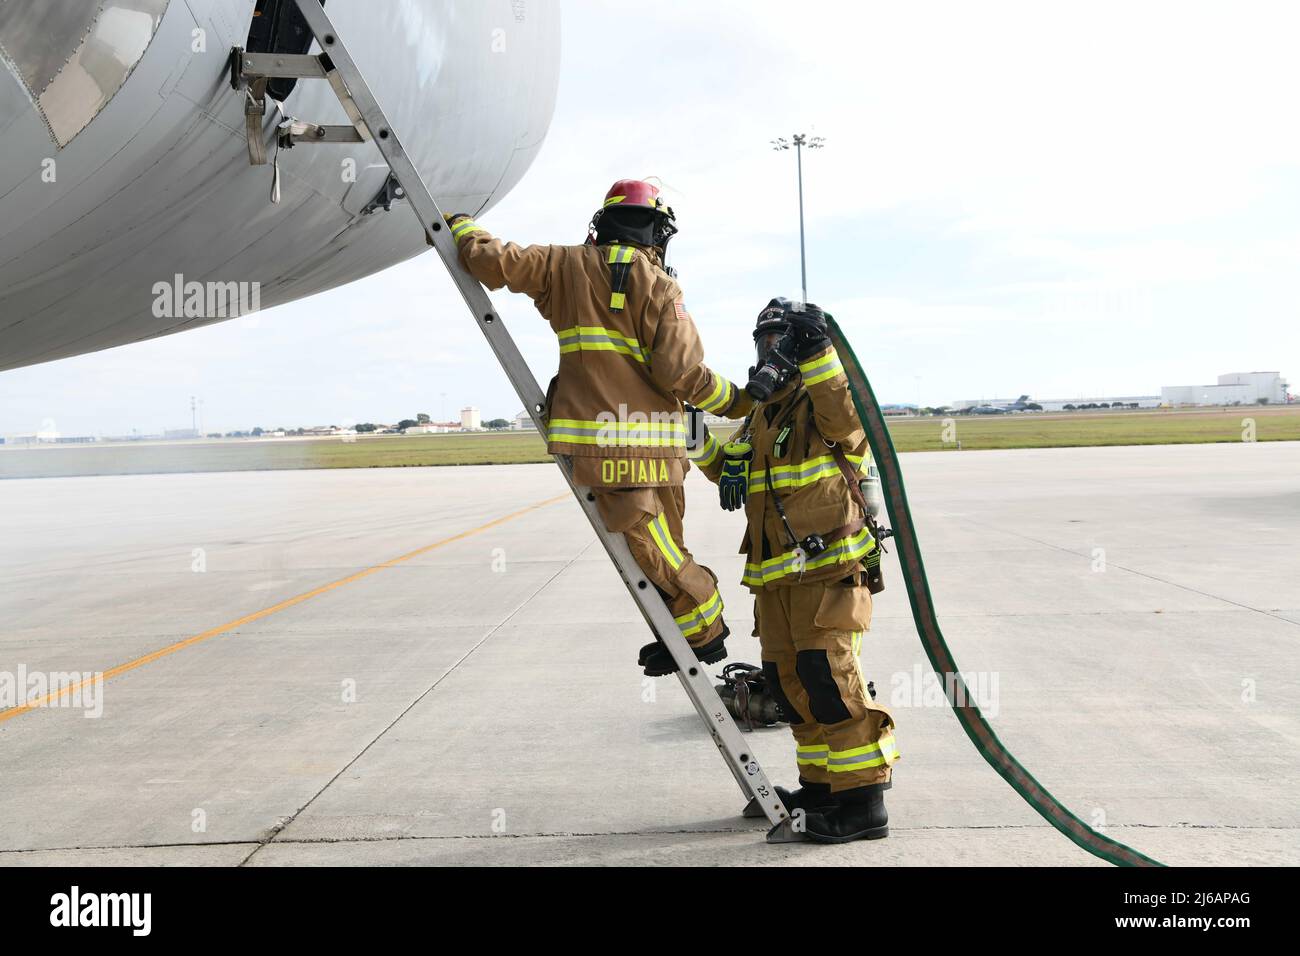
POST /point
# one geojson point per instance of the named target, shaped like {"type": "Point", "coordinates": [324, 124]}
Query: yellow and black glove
{"type": "Point", "coordinates": [451, 218]}
{"type": "Point", "coordinates": [733, 483]}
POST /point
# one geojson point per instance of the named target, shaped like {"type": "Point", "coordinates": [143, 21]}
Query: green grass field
{"type": "Point", "coordinates": [381, 451]}
{"type": "Point", "coordinates": [488, 448]}
{"type": "Point", "coordinates": [1073, 429]}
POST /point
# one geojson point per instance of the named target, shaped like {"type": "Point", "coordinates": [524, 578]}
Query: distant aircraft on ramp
{"type": "Point", "coordinates": [1021, 404]}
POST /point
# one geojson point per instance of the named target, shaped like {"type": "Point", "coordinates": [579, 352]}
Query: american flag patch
{"type": "Point", "coordinates": [680, 308]}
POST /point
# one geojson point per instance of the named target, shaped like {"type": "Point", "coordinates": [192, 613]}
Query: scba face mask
{"type": "Point", "coordinates": [773, 349]}
{"type": "Point", "coordinates": [763, 346]}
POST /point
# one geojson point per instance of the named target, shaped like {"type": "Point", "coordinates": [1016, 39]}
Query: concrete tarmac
{"type": "Point", "coordinates": [436, 665]}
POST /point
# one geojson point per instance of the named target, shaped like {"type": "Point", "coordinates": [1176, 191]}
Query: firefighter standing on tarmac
{"type": "Point", "coordinates": [811, 563]}
{"type": "Point", "coordinates": [630, 356]}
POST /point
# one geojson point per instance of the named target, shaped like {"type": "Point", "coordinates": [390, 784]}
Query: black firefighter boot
{"type": "Point", "coordinates": [810, 797]}
{"type": "Point", "coordinates": [860, 815]}
{"type": "Point", "coordinates": [659, 663]}
{"type": "Point", "coordinates": [656, 644]}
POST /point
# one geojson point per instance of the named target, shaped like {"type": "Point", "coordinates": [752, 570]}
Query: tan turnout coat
{"type": "Point", "coordinates": [615, 406]}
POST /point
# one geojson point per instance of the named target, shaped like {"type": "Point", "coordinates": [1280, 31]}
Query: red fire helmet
{"type": "Point", "coordinates": [633, 192]}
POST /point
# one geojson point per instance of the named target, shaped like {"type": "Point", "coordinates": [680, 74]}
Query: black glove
{"type": "Point", "coordinates": [697, 433]}
{"type": "Point", "coordinates": [809, 326]}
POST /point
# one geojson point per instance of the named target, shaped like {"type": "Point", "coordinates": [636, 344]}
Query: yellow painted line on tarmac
{"type": "Point", "coordinates": [267, 612]}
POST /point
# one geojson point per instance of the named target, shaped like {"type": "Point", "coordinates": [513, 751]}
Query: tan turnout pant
{"type": "Point", "coordinates": [810, 636]}
{"type": "Point", "coordinates": [650, 519]}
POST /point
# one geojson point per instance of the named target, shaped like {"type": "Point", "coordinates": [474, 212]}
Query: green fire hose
{"type": "Point", "coordinates": [936, 648]}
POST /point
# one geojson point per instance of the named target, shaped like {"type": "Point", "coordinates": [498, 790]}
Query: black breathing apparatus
{"type": "Point", "coordinates": [774, 345]}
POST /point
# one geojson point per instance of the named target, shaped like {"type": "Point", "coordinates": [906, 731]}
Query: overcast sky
{"type": "Point", "coordinates": [1013, 198]}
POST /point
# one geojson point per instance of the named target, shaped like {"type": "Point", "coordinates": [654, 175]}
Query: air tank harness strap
{"type": "Point", "coordinates": [620, 269]}
{"type": "Point", "coordinates": [852, 478]}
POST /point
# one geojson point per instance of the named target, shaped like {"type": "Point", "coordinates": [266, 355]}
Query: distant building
{"type": "Point", "coordinates": [470, 419]}
{"type": "Point", "coordinates": [523, 422]}
{"type": "Point", "coordinates": [1130, 401]}
{"type": "Point", "coordinates": [432, 428]}
{"type": "Point", "coordinates": [48, 438]}
{"type": "Point", "coordinates": [179, 434]}
{"type": "Point", "coordinates": [1233, 388]}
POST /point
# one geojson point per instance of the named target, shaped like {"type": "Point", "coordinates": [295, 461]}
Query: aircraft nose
{"type": "Point", "coordinates": [73, 55]}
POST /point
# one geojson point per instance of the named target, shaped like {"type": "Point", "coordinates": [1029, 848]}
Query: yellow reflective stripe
{"type": "Point", "coordinates": [879, 754]}
{"type": "Point", "coordinates": [464, 228]}
{"type": "Point", "coordinates": [634, 434]}
{"type": "Point", "coordinates": [852, 548]}
{"type": "Point", "coordinates": [599, 330]}
{"type": "Point", "coordinates": [794, 476]}
{"type": "Point", "coordinates": [814, 755]}
{"type": "Point", "coordinates": [812, 365]}
{"type": "Point", "coordinates": [708, 454]}
{"type": "Point", "coordinates": [664, 540]}
{"type": "Point", "coordinates": [622, 426]}
{"type": "Point", "coordinates": [861, 763]}
{"type": "Point", "coordinates": [819, 369]}
{"type": "Point", "coordinates": [613, 199]}
{"type": "Point", "coordinates": [584, 345]}
{"type": "Point", "coordinates": [618, 441]}
{"type": "Point", "coordinates": [709, 403]}
{"type": "Point", "coordinates": [857, 643]}
{"type": "Point", "coordinates": [618, 300]}
{"type": "Point", "coordinates": [720, 398]}
{"type": "Point", "coordinates": [596, 338]}
{"type": "Point", "coordinates": [804, 473]}
{"type": "Point", "coordinates": [816, 380]}
{"type": "Point", "coordinates": [699, 619]}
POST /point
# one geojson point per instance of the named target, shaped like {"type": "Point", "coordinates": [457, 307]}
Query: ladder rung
{"type": "Point", "coordinates": [304, 66]}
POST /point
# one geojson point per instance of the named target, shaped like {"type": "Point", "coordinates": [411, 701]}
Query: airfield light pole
{"type": "Point", "coordinates": [799, 142]}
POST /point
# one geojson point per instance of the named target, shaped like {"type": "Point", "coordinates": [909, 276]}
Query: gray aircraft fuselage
{"type": "Point", "coordinates": [124, 164]}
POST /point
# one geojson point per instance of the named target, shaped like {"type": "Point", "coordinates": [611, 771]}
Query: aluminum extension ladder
{"type": "Point", "coordinates": [336, 65]}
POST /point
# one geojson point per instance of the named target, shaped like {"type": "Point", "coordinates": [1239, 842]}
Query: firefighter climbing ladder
{"type": "Point", "coordinates": [250, 71]}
